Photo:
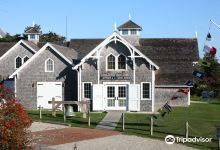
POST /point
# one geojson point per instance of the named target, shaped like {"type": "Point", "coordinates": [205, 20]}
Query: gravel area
{"type": "Point", "coordinates": [120, 142]}
{"type": "Point", "coordinates": [39, 126]}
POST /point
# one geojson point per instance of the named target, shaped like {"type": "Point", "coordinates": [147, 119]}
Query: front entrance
{"type": "Point", "coordinates": [116, 97]}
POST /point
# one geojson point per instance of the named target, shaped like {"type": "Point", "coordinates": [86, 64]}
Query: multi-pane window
{"type": "Point", "coordinates": [18, 62]}
{"type": "Point", "coordinates": [49, 65]}
{"type": "Point", "coordinates": [121, 62]}
{"type": "Point", "coordinates": [122, 91]}
{"type": "Point", "coordinates": [25, 59]}
{"type": "Point", "coordinates": [124, 32]}
{"type": "Point", "coordinates": [146, 90]}
{"type": "Point", "coordinates": [87, 90]}
{"type": "Point", "coordinates": [32, 36]}
{"type": "Point", "coordinates": [111, 91]}
{"type": "Point", "coordinates": [111, 62]}
{"type": "Point", "coordinates": [133, 32]}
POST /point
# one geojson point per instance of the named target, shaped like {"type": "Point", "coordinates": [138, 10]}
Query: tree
{"type": "Point", "coordinates": [51, 37]}
{"type": "Point", "coordinates": [211, 81]}
{"type": "Point", "coordinates": [36, 26]}
{"type": "Point", "coordinates": [11, 38]}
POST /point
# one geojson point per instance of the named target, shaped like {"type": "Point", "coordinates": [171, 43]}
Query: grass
{"type": "Point", "coordinates": [203, 120]}
{"type": "Point", "coordinates": [76, 121]}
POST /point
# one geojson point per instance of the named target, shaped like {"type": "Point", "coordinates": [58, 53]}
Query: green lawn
{"type": "Point", "coordinates": [76, 121]}
{"type": "Point", "coordinates": [203, 119]}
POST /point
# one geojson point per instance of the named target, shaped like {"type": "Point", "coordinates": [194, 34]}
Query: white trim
{"type": "Point", "coordinates": [15, 85]}
{"type": "Point", "coordinates": [45, 67]}
{"type": "Point", "coordinates": [115, 37]}
{"type": "Point", "coordinates": [15, 63]}
{"type": "Point", "coordinates": [178, 86]}
{"type": "Point", "coordinates": [12, 48]}
{"type": "Point", "coordinates": [80, 84]}
{"type": "Point", "coordinates": [153, 90]}
{"type": "Point", "coordinates": [189, 100]}
{"type": "Point", "coordinates": [83, 95]}
{"type": "Point", "coordinates": [106, 61]}
{"type": "Point", "coordinates": [37, 54]}
{"type": "Point", "coordinates": [150, 91]}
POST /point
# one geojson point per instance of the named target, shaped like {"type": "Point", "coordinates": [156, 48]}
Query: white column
{"type": "Point", "coordinates": [15, 85]}
{"type": "Point", "coordinates": [189, 97]}
{"type": "Point", "coordinates": [153, 88]}
{"type": "Point", "coordinates": [98, 66]}
{"type": "Point", "coordinates": [134, 69]}
{"type": "Point", "coordinates": [80, 84]}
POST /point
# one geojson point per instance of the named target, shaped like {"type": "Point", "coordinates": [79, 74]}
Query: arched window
{"type": "Point", "coordinates": [18, 62]}
{"type": "Point", "coordinates": [49, 65]}
{"type": "Point", "coordinates": [111, 62]}
{"type": "Point", "coordinates": [25, 59]}
{"type": "Point", "coordinates": [121, 62]}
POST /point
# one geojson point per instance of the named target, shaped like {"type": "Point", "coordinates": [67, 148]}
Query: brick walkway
{"type": "Point", "coordinates": [68, 135]}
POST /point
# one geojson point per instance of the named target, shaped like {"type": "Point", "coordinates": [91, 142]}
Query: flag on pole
{"type": "Point", "coordinates": [167, 107]}
{"type": "Point", "coordinates": [208, 37]}
{"type": "Point", "coordinates": [207, 48]}
{"type": "Point", "coordinates": [213, 51]}
{"type": "Point", "coordinates": [198, 74]}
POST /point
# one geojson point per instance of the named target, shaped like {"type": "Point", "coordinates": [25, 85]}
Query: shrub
{"type": "Point", "coordinates": [14, 122]}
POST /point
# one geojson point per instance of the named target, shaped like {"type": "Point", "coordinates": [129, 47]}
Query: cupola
{"type": "Point", "coordinates": [33, 34]}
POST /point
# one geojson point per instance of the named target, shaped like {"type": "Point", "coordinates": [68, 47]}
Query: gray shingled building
{"type": "Point", "coordinates": [120, 72]}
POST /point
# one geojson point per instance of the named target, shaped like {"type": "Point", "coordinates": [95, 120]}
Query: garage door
{"type": "Point", "coordinates": [46, 91]}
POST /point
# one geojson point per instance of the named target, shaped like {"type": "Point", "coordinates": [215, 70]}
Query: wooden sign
{"type": "Point", "coordinates": [115, 78]}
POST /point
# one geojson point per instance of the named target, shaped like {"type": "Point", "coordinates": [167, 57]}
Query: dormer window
{"type": "Point", "coordinates": [124, 32]}
{"type": "Point", "coordinates": [18, 62]}
{"type": "Point", "coordinates": [133, 32]}
{"type": "Point", "coordinates": [49, 65]}
{"type": "Point", "coordinates": [32, 36]}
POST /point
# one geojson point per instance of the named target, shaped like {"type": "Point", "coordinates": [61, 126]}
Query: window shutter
{"type": "Point", "coordinates": [97, 96]}
{"type": "Point", "coordinates": [134, 97]}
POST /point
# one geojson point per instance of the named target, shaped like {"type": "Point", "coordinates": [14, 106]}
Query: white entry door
{"type": "Point", "coordinates": [116, 97]}
{"type": "Point", "coordinates": [46, 91]}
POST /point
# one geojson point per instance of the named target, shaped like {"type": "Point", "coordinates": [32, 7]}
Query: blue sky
{"type": "Point", "coordinates": [95, 18]}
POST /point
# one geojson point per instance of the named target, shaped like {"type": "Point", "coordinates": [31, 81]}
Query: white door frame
{"type": "Point", "coordinates": [115, 84]}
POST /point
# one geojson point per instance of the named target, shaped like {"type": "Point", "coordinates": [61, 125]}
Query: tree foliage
{"type": "Point", "coordinates": [51, 37]}
{"type": "Point", "coordinates": [11, 38]}
{"type": "Point", "coordinates": [211, 79]}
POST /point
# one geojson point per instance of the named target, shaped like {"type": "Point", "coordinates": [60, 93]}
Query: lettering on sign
{"type": "Point", "coordinates": [115, 78]}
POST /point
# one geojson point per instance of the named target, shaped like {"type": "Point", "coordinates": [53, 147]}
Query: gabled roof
{"type": "Point", "coordinates": [32, 30]}
{"type": "Point", "coordinates": [30, 45]}
{"type": "Point", "coordinates": [5, 46]}
{"type": "Point", "coordinates": [63, 52]}
{"type": "Point", "coordinates": [117, 38]}
{"type": "Point", "coordinates": [129, 25]}
{"type": "Point", "coordinates": [174, 56]}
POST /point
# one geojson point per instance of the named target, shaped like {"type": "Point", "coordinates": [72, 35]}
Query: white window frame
{"type": "Point", "coordinates": [15, 61]}
{"type": "Point", "coordinates": [150, 91]}
{"type": "Point", "coordinates": [133, 30]}
{"type": "Point", "coordinates": [83, 94]}
{"type": "Point", "coordinates": [46, 70]}
{"type": "Point", "coordinates": [125, 30]}
{"type": "Point", "coordinates": [24, 58]}
{"type": "Point", "coordinates": [34, 36]}
{"type": "Point", "coordinates": [116, 68]}
{"type": "Point", "coordinates": [106, 61]}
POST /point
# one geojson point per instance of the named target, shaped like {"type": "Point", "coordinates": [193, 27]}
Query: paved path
{"type": "Point", "coordinates": [120, 142]}
{"type": "Point", "coordinates": [110, 121]}
{"type": "Point", "coordinates": [65, 138]}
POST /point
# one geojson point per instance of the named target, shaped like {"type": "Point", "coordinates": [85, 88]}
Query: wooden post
{"type": "Point", "coordinates": [84, 110]}
{"type": "Point", "coordinates": [151, 125]}
{"type": "Point", "coordinates": [88, 118]}
{"type": "Point", "coordinates": [40, 111]}
{"type": "Point", "coordinates": [187, 129]}
{"type": "Point", "coordinates": [53, 107]}
{"type": "Point", "coordinates": [123, 121]}
{"type": "Point", "coordinates": [64, 113]}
